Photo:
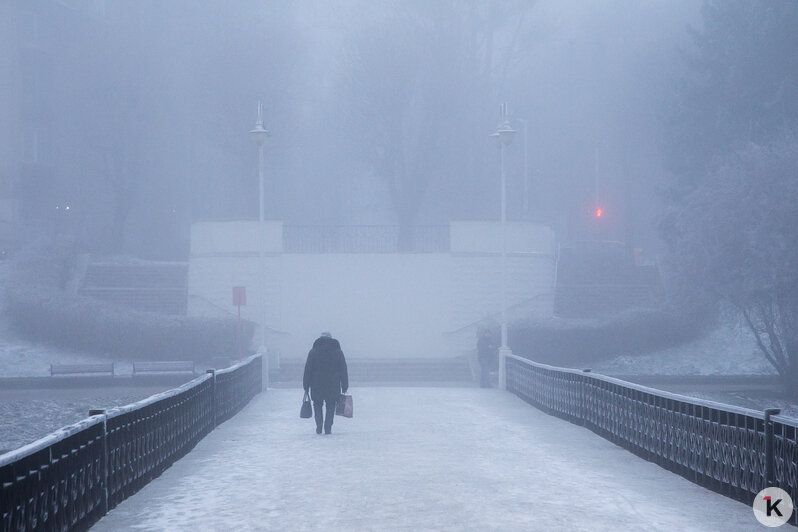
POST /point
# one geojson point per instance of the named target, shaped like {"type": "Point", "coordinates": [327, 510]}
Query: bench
{"type": "Point", "coordinates": [81, 369]}
{"type": "Point", "coordinates": [166, 366]}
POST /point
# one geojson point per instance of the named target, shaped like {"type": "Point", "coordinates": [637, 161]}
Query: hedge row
{"type": "Point", "coordinates": [39, 307]}
{"type": "Point", "coordinates": [581, 342]}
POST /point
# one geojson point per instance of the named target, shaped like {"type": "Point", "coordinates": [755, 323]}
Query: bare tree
{"type": "Point", "coordinates": [734, 238]}
{"type": "Point", "coordinates": [422, 83]}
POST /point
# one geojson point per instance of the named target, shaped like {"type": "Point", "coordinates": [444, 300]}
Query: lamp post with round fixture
{"type": "Point", "coordinates": [503, 136]}
{"type": "Point", "coordinates": [259, 135]}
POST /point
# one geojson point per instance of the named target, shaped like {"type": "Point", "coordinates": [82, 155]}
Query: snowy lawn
{"type": "Point", "coordinates": [22, 358]}
{"type": "Point", "coordinates": [728, 350]}
{"type": "Point", "coordinates": [417, 459]}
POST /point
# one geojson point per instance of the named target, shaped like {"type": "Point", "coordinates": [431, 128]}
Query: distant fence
{"type": "Point", "coordinates": [72, 477]}
{"type": "Point", "coordinates": [365, 239]}
{"type": "Point", "coordinates": [734, 451]}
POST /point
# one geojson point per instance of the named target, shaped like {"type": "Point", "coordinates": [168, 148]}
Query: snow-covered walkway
{"type": "Point", "coordinates": [417, 459]}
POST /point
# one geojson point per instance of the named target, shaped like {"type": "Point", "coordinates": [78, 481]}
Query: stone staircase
{"type": "Point", "coordinates": [454, 371]}
{"type": "Point", "coordinates": [142, 285]}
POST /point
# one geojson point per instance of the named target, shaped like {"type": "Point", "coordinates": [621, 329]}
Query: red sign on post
{"type": "Point", "coordinates": [240, 296]}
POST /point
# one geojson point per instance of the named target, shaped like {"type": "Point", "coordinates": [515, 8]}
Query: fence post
{"type": "Point", "coordinates": [769, 445]}
{"type": "Point", "coordinates": [213, 392]}
{"type": "Point", "coordinates": [582, 382]}
{"type": "Point", "coordinates": [104, 461]}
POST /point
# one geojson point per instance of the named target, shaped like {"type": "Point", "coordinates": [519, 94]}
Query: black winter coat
{"type": "Point", "coordinates": [325, 370]}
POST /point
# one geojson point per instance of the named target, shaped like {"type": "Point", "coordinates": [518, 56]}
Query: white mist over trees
{"type": "Point", "coordinates": [416, 84]}
{"type": "Point", "coordinates": [379, 112]}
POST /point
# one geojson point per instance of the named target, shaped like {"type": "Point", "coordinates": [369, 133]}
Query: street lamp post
{"type": "Point", "coordinates": [259, 136]}
{"type": "Point", "coordinates": [503, 136]}
{"type": "Point", "coordinates": [525, 125]}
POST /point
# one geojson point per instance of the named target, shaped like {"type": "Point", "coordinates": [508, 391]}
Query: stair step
{"type": "Point", "coordinates": [151, 287]}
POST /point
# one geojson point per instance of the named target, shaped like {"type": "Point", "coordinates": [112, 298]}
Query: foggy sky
{"type": "Point", "coordinates": [153, 101]}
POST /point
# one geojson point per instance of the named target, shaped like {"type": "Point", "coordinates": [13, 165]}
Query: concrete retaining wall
{"type": "Point", "coordinates": [380, 305]}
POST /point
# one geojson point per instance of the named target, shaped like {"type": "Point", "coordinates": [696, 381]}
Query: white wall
{"type": "Point", "coordinates": [235, 237]}
{"type": "Point", "coordinates": [378, 305]}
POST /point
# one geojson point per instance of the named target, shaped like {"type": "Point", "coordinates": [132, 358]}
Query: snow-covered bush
{"type": "Point", "coordinates": [580, 342]}
{"type": "Point", "coordinates": [39, 307]}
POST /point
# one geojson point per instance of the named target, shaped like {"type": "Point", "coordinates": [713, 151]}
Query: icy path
{"type": "Point", "coordinates": [417, 459]}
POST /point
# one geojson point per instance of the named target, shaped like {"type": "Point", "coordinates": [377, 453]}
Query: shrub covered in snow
{"type": "Point", "coordinates": [39, 307]}
{"type": "Point", "coordinates": [577, 342]}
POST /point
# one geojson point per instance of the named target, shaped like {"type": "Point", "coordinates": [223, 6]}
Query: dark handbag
{"type": "Point", "coordinates": [344, 406]}
{"type": "Point", "coordinates": [307, 410]}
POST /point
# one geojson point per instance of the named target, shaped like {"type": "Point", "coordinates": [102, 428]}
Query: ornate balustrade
{"type": "Point", "coordinates": [55, 483]}
{"type": "Point", "coordinates": [145, 438]}
{"type": "Point", "coordinates": [70, 478]}
{"type": "Point", "coordinates": [364, 239]}
{"type": "Point", "coordinates": [784, 448]}
{"type": "Point", "coordinates": [235, 386]}
{"type": "Point", "coordinates": [734, 451]}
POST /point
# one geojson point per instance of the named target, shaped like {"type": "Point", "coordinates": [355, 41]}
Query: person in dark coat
{"type": "Point", "coordinates": [326, 377]}
{"type": "Point", "coordinates": [486, 353]}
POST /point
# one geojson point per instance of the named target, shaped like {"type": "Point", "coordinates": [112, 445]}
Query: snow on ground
{"type": "Point", "coordinates": [20, 357]}
{"type": "Point", "coordinates": [417, 459]}
{"type": "Point", "coordinates": [729, 349]}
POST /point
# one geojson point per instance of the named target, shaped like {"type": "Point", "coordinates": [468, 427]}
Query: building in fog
{"type": "Point", "coordinates": [37, 39]}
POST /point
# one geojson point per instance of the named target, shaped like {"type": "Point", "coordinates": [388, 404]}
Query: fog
{"type": "Point", "coordinates": [524, 210]}
{"type": "Point", "coordinates": [379, 114]}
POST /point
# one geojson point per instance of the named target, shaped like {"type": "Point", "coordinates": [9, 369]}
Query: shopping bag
{"type": "Point", "coordinates": [344, 406]}
{"type": "Point", "coordinates": [307, 410]}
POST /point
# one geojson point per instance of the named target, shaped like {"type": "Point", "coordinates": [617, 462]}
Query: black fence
{"type": "Point", "coordinates": [365, 239]}
{"type": "Point", "coordinates": [235, 386]}
{"type": "Point", "coordinates": [72, 477]}
{"type": "Point", "coordinates": [734, 451]}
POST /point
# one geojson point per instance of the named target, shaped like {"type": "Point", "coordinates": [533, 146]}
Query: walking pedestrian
{"type": "Point", "coordinates": [326, 376]}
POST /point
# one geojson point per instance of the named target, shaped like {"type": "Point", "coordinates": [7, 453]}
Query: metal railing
{"type": "Point", "coordinates": [235, 386]}
{"type": "Point", "coordinates": [734, 451]}
{"type": "Point", "coordinates": [145, 438]}
{"type": "Point", "coordinates": [365, 239]}
{"type": "Point", "coordinates": [72, 477]}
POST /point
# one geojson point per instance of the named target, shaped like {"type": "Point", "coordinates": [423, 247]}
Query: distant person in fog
{"type": "Point", "coordinates": [488, 356]}
{"type": "Point", "coordinates": [325, 377]}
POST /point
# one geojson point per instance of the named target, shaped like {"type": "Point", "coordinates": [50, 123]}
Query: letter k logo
{"type": "Point", "coordinates": [772, 506]}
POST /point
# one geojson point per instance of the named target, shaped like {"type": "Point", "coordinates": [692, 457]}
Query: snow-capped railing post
{"type": "Point", "coordinates": [769, 477]}
{"type": "Point", "coordinates": [212, 373]}
{"type": "Point", "coordinates": [582, 407]}
{"type": "Point", "coordinates": [103, 460]}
